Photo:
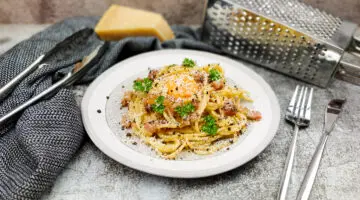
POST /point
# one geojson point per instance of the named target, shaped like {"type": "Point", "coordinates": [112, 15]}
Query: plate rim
{"type": "Point", "coordinates": [160, 172]}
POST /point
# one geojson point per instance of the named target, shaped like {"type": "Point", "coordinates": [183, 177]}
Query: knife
{"type": "Point", "coordinates": [333, 110]}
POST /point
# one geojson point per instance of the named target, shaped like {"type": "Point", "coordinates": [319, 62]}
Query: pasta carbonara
{"type": "Point", "coordinates": [186, 106]}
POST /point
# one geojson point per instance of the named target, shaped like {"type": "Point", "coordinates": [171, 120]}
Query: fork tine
{"type": "Point", "coordinates": [293, 100]}
{"type": "Point", "coordinates": [302, 108]}
{"type": "Point", "coordinates": [308, 106]}
{"type": "Point", "coordinates": [298, 103]}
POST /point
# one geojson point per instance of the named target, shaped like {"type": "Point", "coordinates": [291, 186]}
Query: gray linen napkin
{"type": "Point", "coordinates": [38, 145]}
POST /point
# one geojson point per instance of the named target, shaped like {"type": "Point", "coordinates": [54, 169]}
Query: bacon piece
{"type": "Point", "coordinates": [153, 126]}
{"type": "Point", "coordinates": [125, 121]}
{"type": "Point", "coordinates": [254, 115]}
{"type": "Point", "coordinates": [229, 108]}
{"type": "Point", "coordinates": [152, 74]}
{"type": "Point", "coordinates": [218, 85]}
{"type": "Point", "coordinates": [126, 99]}
{"type": "Point", "coordinates": [195, 103]}
{"type": "Point", "coordinates": [148, 108]}
{"type": "Point", "coordinates": [199, 77]}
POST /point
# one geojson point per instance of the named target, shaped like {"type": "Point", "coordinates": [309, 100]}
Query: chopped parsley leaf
{"type": "Point", "coordinates": [187, 62]}
{"type": "Point", "coordinates": [159, 105]}
{"type": "Point", "coordinates": [210, 126]}
{"type": "Point", "coordinates": [147, 84]}
{"type": "Point", "coordinates": [143, 85]}
{"type": "Point", "coordinates": [138, 86]}
{"type": "Point", "coordinates": [214, 75]}
{"type": "Point", "coordinates": [184, 111]}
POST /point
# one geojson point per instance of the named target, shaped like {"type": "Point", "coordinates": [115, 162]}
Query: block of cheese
{"type": "Point", "coordinates": [119, 22]}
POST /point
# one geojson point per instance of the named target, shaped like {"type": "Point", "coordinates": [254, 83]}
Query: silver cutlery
{"type": "Point", "coordinates": [75, 74]}
{"type": "Point", "coordinates": [297, 113]}
{"type": "Point", "coordinates": [332, 112]}
{"type": "Point", "coordinates": [60, 51]}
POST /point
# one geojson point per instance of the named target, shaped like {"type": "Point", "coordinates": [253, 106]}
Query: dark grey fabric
{"type": "Point", "coordinates": [40, 142]}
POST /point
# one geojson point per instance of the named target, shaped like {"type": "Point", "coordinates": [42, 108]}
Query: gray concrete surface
{"type": "Point", "coordinates": [91, 175]}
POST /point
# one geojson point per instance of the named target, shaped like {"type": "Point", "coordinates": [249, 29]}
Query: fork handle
{"type": "Point", "coordinates": [309, 179]}
{"type": "Point", "coordinates": [6, 89]}
{"type": "Point", "coordinates": [285, 179]}
{"type": "Point", "coordinates": [49, 91]}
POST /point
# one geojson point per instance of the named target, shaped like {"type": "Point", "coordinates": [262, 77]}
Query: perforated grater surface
{"type": "Point", "coordinates": [287, 36]}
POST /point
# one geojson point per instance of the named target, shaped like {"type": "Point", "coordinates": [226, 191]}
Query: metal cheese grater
{"type": "Point", "coordinates": [286, 36]}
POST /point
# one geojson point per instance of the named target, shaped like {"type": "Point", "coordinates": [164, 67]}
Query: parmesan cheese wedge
{"type": "Point", "coordinates": [119, 22]}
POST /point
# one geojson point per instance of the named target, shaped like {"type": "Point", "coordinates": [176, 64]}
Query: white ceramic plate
{"type": "Point", "coordinates": [104, 95]}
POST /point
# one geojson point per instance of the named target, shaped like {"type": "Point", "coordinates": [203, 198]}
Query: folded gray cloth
{"type": "Point", "coordinates": [41, 141]}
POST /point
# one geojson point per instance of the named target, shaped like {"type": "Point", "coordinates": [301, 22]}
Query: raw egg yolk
{"type": "Point", "coordinates": [181, 86]}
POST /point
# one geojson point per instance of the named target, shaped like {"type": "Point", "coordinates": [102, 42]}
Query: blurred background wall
{"type": "Point", "coordinates": [175, 11]}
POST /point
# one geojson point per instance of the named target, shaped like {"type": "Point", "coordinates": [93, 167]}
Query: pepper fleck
{"type": "Point", "coordinates": [231, 141]}
{"type": "Point", "coordinates": [134, 143]}
{"type": "Point", "coordinates": [128, 134]}
{"type": "Point", "coordinates": [107, 97]}
{"type": "Point", "coordinates": [122, 128]}
{"type": "Point", "coordinates": [228, 148]}
{"type": "Point", "coordinates": [99, 111]}
{"type": "Point", "coordinates": [229, 129]}
{"type": "Point", "coordinates": [123, 86]}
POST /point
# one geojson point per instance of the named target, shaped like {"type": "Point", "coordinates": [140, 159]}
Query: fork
{"type": "Point", "coordinates": [297, 113]}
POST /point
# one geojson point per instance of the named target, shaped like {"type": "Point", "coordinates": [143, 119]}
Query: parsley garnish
{"type": "Point", "coordinates": [147, 84]}
{"type": "Point", "coordinates": [143, 85]}
{"type": "Point", "coordinates": [187, 62]}
{"type": "Point", "coordinates": [214, 75]}
{"type": "Point", "coordinates": [183, 111]}
{"type": "Point", "coordinates": [138, 86]}
{"type": "Point", "coordinates": [159, 105]}
{"type": "Point", "coordinates": [210, 126]}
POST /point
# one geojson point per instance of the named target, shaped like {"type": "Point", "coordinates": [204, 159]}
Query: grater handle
{"type": "Point", "coordinates": [349, 68]}
{"type": "Point", "coordinates": [356, 40]}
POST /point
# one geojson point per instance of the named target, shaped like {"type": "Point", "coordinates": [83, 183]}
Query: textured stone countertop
{"type": "Point", "coordinates": [91, 175]}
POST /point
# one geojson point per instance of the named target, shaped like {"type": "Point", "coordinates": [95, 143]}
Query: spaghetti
{"type": "Point", "coordinates": [185, 106]}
